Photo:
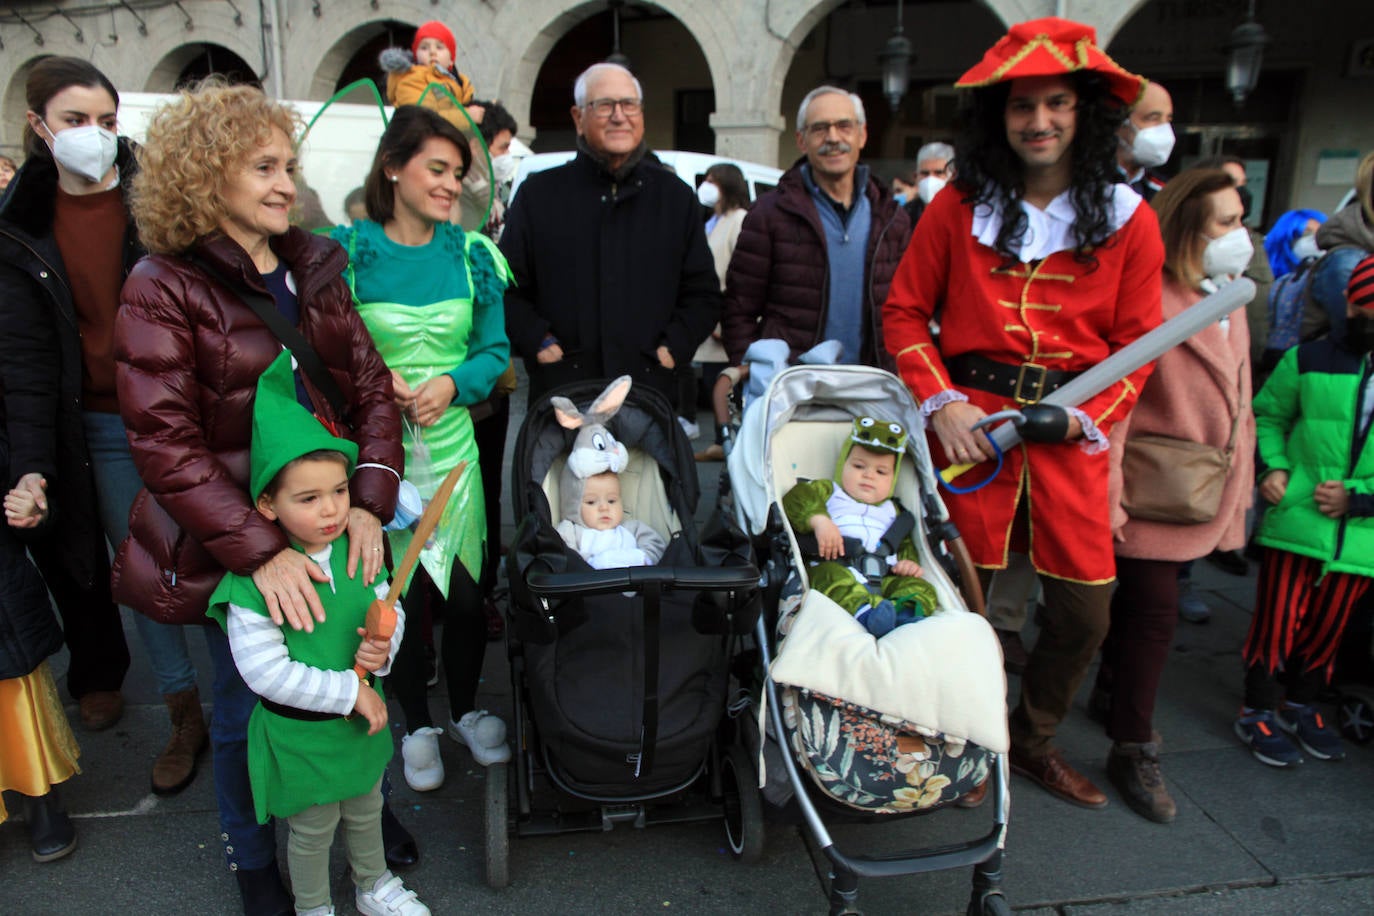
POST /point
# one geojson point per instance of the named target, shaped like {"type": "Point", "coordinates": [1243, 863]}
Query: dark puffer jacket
{"type": "Point", "coordinates": [41, 368]}
{"type": "Point", "coordinates": [188, 355]}
{"type": "Point", "coordinates": [778, 285]}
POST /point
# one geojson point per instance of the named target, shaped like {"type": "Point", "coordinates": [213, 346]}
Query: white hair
{"type": "Point", "coordinates": [585, 77]}
{"type": "Point", "coordinates": [829, 90]}
{"type": "Point", "coordinates": [936, 150]}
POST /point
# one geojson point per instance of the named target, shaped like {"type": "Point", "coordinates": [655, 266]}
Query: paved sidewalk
{"type": "Point", "coordinates": [1248, 839]}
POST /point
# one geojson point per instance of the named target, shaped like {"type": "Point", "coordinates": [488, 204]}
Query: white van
{"type": "Point", "coordinates": [690, 167]}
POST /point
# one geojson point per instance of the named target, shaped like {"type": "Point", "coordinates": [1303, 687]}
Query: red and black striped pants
{"type": "Point", "coordinates": [1299, 616]}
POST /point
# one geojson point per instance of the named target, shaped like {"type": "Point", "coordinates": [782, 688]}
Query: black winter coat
{"type": "Point", "coordinates": [778, 285]}
{"type": "Point", "coordinates": [613, 269]}
{"type": "Point", "coordinates": [41, 369]}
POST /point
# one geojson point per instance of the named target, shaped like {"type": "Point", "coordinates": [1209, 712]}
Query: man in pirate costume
{"type": "Point", "coordinates": [1039, 265]}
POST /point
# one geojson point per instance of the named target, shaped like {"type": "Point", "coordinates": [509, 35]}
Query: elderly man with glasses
{"type": "Point", "coordinates": [612, 275]}
{"type": "Point", "coordinates": [816, 254]}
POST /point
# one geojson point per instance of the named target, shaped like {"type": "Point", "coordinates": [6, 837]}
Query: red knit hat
{"type": "Point", "coordinates": [435, 29]}
{"type": "Point", "coordinates": [1051, 47]}
{"type": "Point", "coordinates": [1359, 292]}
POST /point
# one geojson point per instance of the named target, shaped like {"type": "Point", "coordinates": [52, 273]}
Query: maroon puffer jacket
{"type": "Point", "coordinates": [778, 284]}
{"type": "Point", "coordinates": [188, 353]}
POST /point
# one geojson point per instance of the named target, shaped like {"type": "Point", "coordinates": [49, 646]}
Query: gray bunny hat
{"type": "Point", "coordinates": [594, 450]}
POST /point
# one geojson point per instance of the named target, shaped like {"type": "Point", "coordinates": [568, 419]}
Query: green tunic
{"type": "Point", "coordinates": [434, 309]}
{"type": "Point", "coordinates": [294, 765]}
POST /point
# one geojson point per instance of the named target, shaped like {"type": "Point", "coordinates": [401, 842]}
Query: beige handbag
{"type": "Point", "coordinates": [1174, 480]}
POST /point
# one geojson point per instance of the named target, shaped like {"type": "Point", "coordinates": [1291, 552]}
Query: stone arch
{"type": "Point", "coordinates": [532, 36]}
{"type": "Point", "coordinates": [325, 46]}
{"type": "Point", "coordinates": [170, 45]}
{"type": "Point", "coordinates": [15, 106]}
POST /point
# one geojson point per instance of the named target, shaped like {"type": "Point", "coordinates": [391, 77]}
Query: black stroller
{"type": "Point", "coordinates": [620, 675]}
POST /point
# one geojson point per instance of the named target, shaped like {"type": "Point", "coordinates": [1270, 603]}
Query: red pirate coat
{"type": "Point", "coordinates": [1055, 313]}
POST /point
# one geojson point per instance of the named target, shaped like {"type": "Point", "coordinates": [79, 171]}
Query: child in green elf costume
{"type": "Point", "coordinates": [865, 560]}
{"type": "Point", "coordinates": [317, 742]}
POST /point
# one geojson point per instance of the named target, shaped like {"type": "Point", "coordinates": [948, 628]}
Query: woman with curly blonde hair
{"type": "Point", "coordinates": [229, 281]}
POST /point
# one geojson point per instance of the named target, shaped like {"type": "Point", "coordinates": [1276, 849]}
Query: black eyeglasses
{"type": "Point", "coordinates": [603, 108]}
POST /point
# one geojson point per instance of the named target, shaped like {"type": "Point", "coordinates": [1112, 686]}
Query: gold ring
{"type": "Point", "coordinates": [378, 549]}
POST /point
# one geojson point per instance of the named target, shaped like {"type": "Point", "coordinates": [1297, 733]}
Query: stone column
{"type": "Point", "coordinates": [748, 135]}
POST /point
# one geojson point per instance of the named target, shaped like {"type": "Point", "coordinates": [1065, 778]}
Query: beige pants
{"type": "Point", "coordinates": [312, 833]}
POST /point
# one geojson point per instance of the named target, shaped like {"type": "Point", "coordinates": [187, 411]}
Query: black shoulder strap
{"type": "Point", "coordinates": [900, 530]}
{"type": "Point", "coordinates": [266, 309]}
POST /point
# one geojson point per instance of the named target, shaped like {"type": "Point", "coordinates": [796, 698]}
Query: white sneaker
{"type": "Point", "coordinates": [389, 897]}
{"type": "Point", "coordinates": [484, 734]}
{"type": "Point", "coordinates": [424, 767]}
{"type": "Point", "coordinates": [688, 427]}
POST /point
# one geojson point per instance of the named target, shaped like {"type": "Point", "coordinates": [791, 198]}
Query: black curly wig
{"type": "Point", "coordinates": [989, 171]}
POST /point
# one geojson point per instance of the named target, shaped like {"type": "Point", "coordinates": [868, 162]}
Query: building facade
{"type": "Point", "coordinates": [728, 74]}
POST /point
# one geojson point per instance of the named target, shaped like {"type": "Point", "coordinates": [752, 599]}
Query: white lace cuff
{"type": "Point", "coordinates": [935, 402]}
{"type": "Point", "coordinates": [1093, 440]}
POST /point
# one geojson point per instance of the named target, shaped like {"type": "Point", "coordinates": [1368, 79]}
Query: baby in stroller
{"type": "Point", "coordinates": [594, 521]}
{"type": "Point", "coordinates": [855, 518]}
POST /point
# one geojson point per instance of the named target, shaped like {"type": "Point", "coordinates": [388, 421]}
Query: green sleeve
{"type": "Point", "coordinates": [237, 590]}
{"type": "Point", "coordinates": [805, 499]}
{"type": "Point", "coordinates": [1276, 411]}
{"type": "Point", "coordinates": [907, 550]}
{"type": "Point", "coordinates": [488, 347]}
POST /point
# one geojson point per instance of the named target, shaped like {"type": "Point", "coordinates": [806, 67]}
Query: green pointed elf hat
{"type": "Point", "coordinates": [283, 430]}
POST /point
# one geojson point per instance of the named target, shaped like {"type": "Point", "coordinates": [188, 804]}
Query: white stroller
{"type": "Point", "coordinates": [871, 728]}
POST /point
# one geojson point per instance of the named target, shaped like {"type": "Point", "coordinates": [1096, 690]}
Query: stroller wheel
{"type": "Point", "coordinates": [1357, 714]}
{"type": "Point", "coordinates": [743, 805]}
{"type": "Point", "coordinates": [497, 837]}
{"type": "Point", "coordinates": [991, 903]}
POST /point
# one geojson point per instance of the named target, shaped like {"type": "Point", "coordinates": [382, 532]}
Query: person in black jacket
{"type": "Point", "coordinates": [612, 273]}
{"type": "Point", "coordinates": [42, 373]}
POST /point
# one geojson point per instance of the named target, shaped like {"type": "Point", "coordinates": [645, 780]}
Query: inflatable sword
{"type": "Point", "coordinates": [1131, 357]}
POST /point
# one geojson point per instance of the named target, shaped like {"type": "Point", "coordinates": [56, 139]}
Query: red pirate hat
{"type": "Point", "coordinates": [1051, 47]}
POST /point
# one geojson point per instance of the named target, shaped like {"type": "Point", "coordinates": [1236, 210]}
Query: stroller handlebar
{"type": "Point", "coordinates": [637, 578]}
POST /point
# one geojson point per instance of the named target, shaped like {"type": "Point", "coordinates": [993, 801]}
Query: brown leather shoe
{"type": "Point", "coordinates": [1014, 655]}
{"type": "Point", "coordinates": [175, 767]}
{"type": "Point", "coordinates": [1056, 777]}
{"type": "Point", "coordinates": [975, 797]}
{"type": "Point", "coordinates": [1134, 771]}
{"type": "Point", "coordinates": [101, 708]}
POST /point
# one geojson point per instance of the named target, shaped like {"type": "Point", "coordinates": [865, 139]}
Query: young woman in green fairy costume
{"type": "Point", "coordinates": [431, 295]}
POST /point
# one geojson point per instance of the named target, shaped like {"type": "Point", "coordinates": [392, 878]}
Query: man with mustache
{"type": "Point", "coordinates": [1041, 265]}
{"type": "Point", "coordinates": [816, 254]}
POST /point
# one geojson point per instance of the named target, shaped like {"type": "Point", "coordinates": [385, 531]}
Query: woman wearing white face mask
{"type": "Point", "coordinates": [66, 244]}
{"type": "Point", "coordinates": [1199, 393]}
{"type": "Point", "coordinates": [726, 193]}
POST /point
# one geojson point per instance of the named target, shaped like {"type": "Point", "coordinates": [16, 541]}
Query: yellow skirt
{"type": "Point", "coordinates": [37, 747]}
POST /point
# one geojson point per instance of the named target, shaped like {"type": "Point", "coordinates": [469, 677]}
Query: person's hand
{"type": "Point", "coordinates": [365, 541]}
{"type": "Point", "coordinates": [1274, 485]}
{"type": "Point", "coordinates": [551, 354]}
{"type": "Point", "coordinates": [433, 397]}
{"type": "Point", "coordinates": [403, 394]}
{"type": "Point", "coordinates": [907, 568]}
{"type": "Point", "coordinates": [372, 652]}
{"type": "Point", "coordinates": [371, 708]}
{"type": "Point", "coordinates": [27, 504]}
{"type": "Point", "coordinates": [1332, 498]}
{"type": "Point", "coordinates": [665, 358]}
{"type": "Point", "coordinates": [1119, 534]}
{"type": "Point", "coordinates": [829, 541]}
{"type": "Point", "coordinates": [285, 583]}
{"type": "Point", "coordinates": [953, 425]}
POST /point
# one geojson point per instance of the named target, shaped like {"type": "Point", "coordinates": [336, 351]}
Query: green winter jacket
{"type": "Point", "coordinates": [1306, 423]}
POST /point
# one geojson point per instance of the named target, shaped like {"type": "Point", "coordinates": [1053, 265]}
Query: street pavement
{"type": "Point", "coordinates": [1248, 839]}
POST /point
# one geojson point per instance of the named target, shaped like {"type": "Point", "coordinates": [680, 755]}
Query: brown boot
{"type": "Point", "coordinates": [175, 767]}
{"type": "Point", "coordinates": [1134, 770]}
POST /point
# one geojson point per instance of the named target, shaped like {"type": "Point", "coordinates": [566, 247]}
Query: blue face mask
{"type": "Point", "coordinates": [900, 198]}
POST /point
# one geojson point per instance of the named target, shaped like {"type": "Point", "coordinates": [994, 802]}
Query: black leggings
{"type": "Point", "coordinates": [464, 645]}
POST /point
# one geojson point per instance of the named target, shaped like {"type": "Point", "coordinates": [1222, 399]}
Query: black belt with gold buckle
{"type": "Point", "coordinates": [1025, 383]}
